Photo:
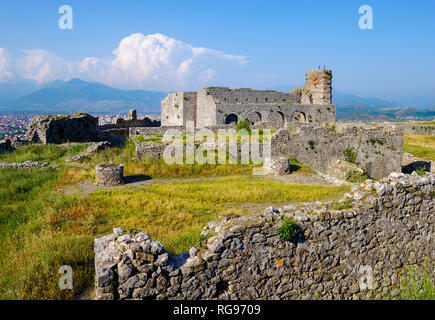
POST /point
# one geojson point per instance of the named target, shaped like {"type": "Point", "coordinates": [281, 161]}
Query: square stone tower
{"type": "Point", "coordinates": [318, 86]}
{"type": "Point", "coordinates": [178, 108]}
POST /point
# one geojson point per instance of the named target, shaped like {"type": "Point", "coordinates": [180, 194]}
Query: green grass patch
{"type": "Point", "coordinates": [358, 177]}
{"type": "Point", "coordinates": [43, 153]}
{"type": "Point", "coordinates": [421, 146]}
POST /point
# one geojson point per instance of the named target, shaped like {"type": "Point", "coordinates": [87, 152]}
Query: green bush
{"type": "Point", "coordinates": [350, 155]}
{"type": "Point", "coordinates": [358, 177]}
{"type": "Point", "coordinates": [421, 171]}
{"type": "Point", "coordinates": [311, 144]}
{"type": "Point", "coordinates": [346, 204]}
{"type": "Point", "coordinates": [243, 125]}
{"type": "Point", "coordinates": [288, 230]}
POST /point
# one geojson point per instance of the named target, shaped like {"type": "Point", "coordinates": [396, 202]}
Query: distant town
{"type": "Point", "coordinates": [15, 125]}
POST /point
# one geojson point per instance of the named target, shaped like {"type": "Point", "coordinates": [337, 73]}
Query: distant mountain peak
{"type": "Point", "coordinates": [76, 81]}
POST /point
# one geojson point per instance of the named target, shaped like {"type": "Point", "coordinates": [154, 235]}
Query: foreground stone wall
{"type": "Point", "coordinates": [334, 255]}
{"type": "Point", "coordinates": [377, 149]}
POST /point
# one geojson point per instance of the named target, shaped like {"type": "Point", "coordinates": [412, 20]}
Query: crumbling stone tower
{"type": "Point", "coordinates": [318, 86]}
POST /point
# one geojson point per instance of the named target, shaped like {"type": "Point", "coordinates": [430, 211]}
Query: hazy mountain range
{"type": "Point", "coordinates": [78, 95]}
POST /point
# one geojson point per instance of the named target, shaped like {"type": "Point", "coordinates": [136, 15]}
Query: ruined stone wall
{"type": "Point", "coordinates": [428, 130]}
{"type": "Point", "coordinates": [79, 127]}
{"type": "Point", "coordinates": [206, 109]}
{"type": "Point", "coordinates": [272, 113]}
{"type": "Point", "coordinates": [139, 131]}
{"type": "Point", "coordinates": [212, 106]}
{"type": "Point", "coordinates": [189, 107]}
{"type": "Point", "coordinates": [145, 122]}
{"type": "Point", "coordinates": [177, 108]}
{"type": "Point", "coordinates": [377, 149]}
{"type": "Point", "coordinates": [354, 253]}
{"type": "Point", "coordinates": [149, 150]}
{"type": "Point", "coordinates": [224, 95]}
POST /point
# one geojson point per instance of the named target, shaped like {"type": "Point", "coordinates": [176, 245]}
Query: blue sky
{"type": "Point", "coordinates": [260, 44]}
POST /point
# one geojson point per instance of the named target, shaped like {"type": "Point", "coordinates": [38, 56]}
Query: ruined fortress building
{"type": "Point", "coordinates": [214, 106]}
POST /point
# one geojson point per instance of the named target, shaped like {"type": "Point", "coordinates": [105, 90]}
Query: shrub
{"type": "Point", "coordinates": [358, 177]}
{"type": "Point", "coordinates": [346, 204]}
{"type": "Point", "coordinates": [288, 230]}
{"type": "Point", "coordinates": [311, 144]}
{"type": "Point", "coordinates": [421, 171]}
{"type": "Point", "coordinates": [350, 155]}
{"type": "Point", "coordinates": [243, 125]}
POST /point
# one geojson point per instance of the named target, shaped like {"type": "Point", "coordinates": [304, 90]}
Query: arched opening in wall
{"type": "Point", "coordinates": [277, 118]}
{"type": "Point", "coordinates": [231, 118]}
{"type": "Point", "coordinates": [253, 117]}
{"type": "Point", "coordinates": [299, 117]}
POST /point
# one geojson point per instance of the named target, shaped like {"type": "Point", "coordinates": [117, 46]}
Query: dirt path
{"type": "Point", "coordinates": [87, 187]}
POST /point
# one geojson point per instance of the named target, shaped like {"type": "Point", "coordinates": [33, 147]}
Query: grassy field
{"type": "Point", "coordinates": [425, 123]}
{"type": "Point", "coordinates": [420, 146]}
{"type": "Point", "coordinates": [42, 229]}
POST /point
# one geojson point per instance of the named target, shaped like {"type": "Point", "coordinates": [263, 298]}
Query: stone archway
{"type": "Point", "coordinates": [277, 118]}
{"type": "Point", "coordinates": [231, 118]}
{"type": "Point", "coordinates": [299, 116]}
{"type": "Point", "coordinates": [253, 117]}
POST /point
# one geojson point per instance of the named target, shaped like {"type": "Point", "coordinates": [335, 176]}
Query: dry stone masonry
{"type": "Point", "coordinates": [92, 148]}
{"type": "Point", "coordinates": [376, 149]}
{"type": "Point", "coordinates": [109, 174]}
{"type": "Point", "coordinates": [27, 165]}
{"type": "Point", "coordinates": [80, 127]}
{"type": "Point", "coordinates": [337, 253]}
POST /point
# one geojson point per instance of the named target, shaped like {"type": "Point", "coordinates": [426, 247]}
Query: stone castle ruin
{"type": "Point", "coordinates": [303, 121]}
{"type": "Point", "coordinates": [214, 106]}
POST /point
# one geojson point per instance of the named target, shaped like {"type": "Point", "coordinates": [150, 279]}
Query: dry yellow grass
{"type": "Point", "coordinates": [420, 146]}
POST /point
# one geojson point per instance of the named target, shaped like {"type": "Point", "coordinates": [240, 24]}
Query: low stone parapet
{"type": "Point", "coordinates": [27, 165]}
{"type": "Point", "coordinates": [109, 174]}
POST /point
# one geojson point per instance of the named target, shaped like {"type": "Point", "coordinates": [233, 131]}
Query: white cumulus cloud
{"type": "Point", "coordinates": [153, 61]}
{"type": "Point", "coordinates": [5, 72]}
{"type": "Point", "coordinates": [42, 66]}
{"type": "Point", "coordinates": [157, 60]}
